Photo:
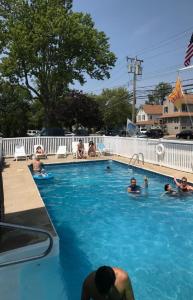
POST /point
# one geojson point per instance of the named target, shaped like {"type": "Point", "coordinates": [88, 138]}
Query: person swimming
{"type": "Point", "coordinates": [108, 169]}
{"type": "Point", "coordinates": [183, 186]}
{"type": "Point", "coordinates": [169, 191]}
{"type": "Point", "coordinates": [133, 187]}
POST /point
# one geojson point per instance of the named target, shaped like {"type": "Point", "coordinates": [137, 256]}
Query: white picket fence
{"type": "Point", "coordinates": [177, 155]}
{"type": "Point", "coordinates": [50, 144]}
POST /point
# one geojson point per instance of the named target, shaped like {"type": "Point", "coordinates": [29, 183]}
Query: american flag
{"type": "Point", "coordinates": [189, 52]}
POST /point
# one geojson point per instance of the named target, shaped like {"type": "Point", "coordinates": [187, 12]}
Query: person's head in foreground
{"type": "Point", "coordinates": [104, 279]}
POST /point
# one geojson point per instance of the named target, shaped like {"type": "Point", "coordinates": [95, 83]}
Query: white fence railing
{"type": "Point", "coordinates": [50, 144]}
{"type": "Point", "coordinates": [177, 154]}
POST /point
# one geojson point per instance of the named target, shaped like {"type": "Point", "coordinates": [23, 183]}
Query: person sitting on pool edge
{"type": "Point", "coordinates": [133, 187]}
{"type": "Point", "coordinates": [40, 150]}
{"type": "Point", "coordinates": [92, 149]}
{"type": "Point", "coordinates": [80, 149]}
{"type": "Point", "coordinates": [107, 283]}
{"type": "Point", "coordinates": [183, 185]}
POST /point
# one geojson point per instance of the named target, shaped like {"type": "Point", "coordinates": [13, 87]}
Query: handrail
{"type": "Point", "coordinates": [137, 158]}
{"type": "Point", "coordinates": [142, 156]}
{"type": "Point", "coordinates": [45, 253]}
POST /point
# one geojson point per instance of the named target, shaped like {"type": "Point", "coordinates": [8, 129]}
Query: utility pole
{"type": "Point", "coordinates": [134, 66]}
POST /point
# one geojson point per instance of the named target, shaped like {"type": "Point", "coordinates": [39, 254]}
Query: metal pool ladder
{"type": "Point", "coordinates": [136, 158]}
{"type": "Point", "coordinates": [13, 227]}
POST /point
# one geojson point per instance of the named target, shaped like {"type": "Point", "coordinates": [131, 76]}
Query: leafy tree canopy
{"type": "Point", "coordinates": [78, 109]}
{"type": "Point", "coordinates": [45, 46]}
{"type": "Point", "coordinates": [159, 93]}
{"type": "Point", "coordinates": [115, 107]}
{"type": "Point", "coordinates": [14, 109]}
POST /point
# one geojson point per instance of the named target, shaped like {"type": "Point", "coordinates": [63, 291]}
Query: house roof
{"type": "Point", "coordinates": [177, 114]}
{"type": "Point", "coordinates": [152, 109]}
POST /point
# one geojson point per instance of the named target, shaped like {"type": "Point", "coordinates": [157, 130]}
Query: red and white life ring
{"type": "Point", "coordinates": [160, 149]}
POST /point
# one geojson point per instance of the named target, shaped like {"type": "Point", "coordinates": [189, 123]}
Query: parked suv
{"type": "Point", "coordinates": [185, 134]}
{"type": "Point", "coordinates": [154, 133]}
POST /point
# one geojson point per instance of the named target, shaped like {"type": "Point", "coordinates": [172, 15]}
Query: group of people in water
{"type": "Point", "coordinates": [182, 187]}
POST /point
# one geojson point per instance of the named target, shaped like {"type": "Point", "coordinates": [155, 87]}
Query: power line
{"type": "Point", "coordinates": [163, 42]}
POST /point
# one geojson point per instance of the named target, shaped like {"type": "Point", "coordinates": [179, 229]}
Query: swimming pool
{"type": "Point", "coordinates": [99, 223]}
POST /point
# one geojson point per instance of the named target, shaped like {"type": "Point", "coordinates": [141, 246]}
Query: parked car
{"type": "Point", "coordinates": [52, 132]}
{"type": "Point", "coordinates": [185, 134]}
{"type": "Point", "coordinates": [154, 133]}
{"type": "Point", "coordinates": [32, 132]}
{"type": "Point", "coordinates": [143, 130]}
{"type": "Point", "coordinates": [68, 133]}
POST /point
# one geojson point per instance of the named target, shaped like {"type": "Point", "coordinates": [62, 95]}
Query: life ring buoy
{"type": "Point", "coordinates": [160, 149]}
{"type": "Point", "coordinates": [43, 176]}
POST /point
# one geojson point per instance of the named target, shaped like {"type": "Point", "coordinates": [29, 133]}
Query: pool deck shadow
{"type": "Point", "coordinates": [23, 203]}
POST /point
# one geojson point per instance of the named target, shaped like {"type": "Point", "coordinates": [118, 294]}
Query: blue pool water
{"type": "Point", "coordinates": [99, 223]}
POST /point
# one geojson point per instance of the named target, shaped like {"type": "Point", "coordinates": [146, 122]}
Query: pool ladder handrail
{"type": "Point", "coordinates": [137, 159]}
{"type": "Point", "coordinates": [35, 257]}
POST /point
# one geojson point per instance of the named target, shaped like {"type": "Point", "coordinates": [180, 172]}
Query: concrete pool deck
{"type": "Point", "coordinates": [22, 201]}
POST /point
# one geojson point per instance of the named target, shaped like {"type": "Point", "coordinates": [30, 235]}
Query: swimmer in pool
{"type": "Point", "coordinates": [133, 187]}
{"type": "Point", "coordinates": [108, 169]}
{"type": "Point", "coordinates": [107, 283]}
{"type": "Point", "coordinates": [183, 186]}
{"type": "Point", "coordinates": [169, 191]}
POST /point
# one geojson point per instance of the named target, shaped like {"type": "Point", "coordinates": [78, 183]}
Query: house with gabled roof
{"type": "Point", "coordinates": [148, 116]}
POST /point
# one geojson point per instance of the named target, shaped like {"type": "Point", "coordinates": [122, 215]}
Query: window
{"type": "Point", "coordinates": [139, 118]}
{"type": "Point", "coordinates": [175, 109]}
{"type": "Point", "coordinates": [150, 117]}
{"type": "Point", "coordinates": [143, 117]}
{"type": "Point", "coordinates": [176, 127]}
{"type": "Point", "coordinates": [184, 108]}
{"type": "Point", "coordinates": [165, 109]}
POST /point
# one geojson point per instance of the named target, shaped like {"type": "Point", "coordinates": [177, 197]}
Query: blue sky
{"type": "Point", "coordinates": [156, 31]}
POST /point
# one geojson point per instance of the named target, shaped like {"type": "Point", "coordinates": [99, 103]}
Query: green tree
{"type": "Point", "coordinates": [46, 46]}
{"type": "Point", "coordinates": [115, 107]}
{"type": "Point", "coordinates": [157, 96]}
{"type": "Point", "coordinates": [78, 109]}
{"type": "Point", "coordinates": [14, 109]}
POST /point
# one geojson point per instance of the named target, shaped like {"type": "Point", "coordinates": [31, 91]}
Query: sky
{"type": "Point", "coordinates": [158, 32]}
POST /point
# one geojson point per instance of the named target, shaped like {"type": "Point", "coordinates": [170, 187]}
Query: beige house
{"type": "Point", "coordinates": [149, 116]}
{"type": "Point", "coordinates": [174, 120]}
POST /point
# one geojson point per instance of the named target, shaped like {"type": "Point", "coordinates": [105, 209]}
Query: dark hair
{"type": "Point", "coordinates": [166, 187]}
{"type": "Point", "coordinates": [133, 178]}
{"type": "Point", "coordinates": [80, 140]}
{"type": "Point", "coordinates": [104, 279]}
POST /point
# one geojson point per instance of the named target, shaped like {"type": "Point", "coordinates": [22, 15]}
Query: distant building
{"type": "Point", "coordinates": [148, 116]}
{"type": "Point", "coordinates": [174, 120]}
